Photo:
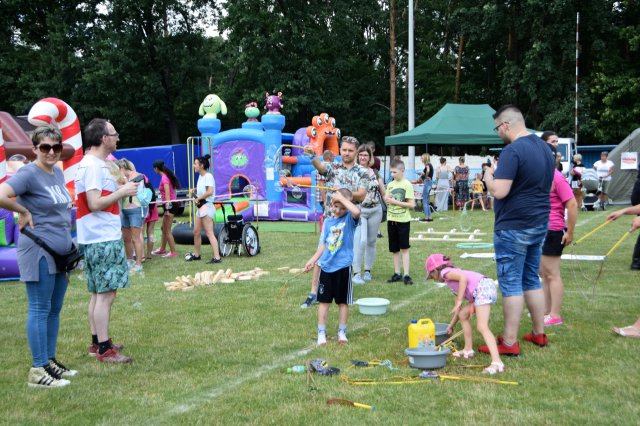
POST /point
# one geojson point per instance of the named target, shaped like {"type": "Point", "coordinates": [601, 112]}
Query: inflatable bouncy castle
{"type": "Point", "coordinates": [271, 163]}
{"type": "Point", "coordinates": [15, 143]}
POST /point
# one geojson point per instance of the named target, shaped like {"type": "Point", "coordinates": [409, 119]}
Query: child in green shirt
{"type": "Point", "coordinates": [400, 200]}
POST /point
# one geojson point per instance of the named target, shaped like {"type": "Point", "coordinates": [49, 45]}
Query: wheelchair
{"type": "Point", "coordinates": [236, 235]}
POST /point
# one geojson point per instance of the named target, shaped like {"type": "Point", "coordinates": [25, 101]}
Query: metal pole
{"type": "Point", "coordinates": [577, 57]}
{"type": "Point", "coordinates": [412, 149]}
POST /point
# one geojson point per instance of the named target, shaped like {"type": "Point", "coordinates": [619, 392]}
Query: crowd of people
{"type": "Point", "coordinates": [529, 193]}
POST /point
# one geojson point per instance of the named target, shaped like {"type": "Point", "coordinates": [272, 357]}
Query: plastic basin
{"type": "Point", "coordinates": [427, 358]}
{"type": "Point", "coordinates": [441, 332]}
{"type": "Point", "coordinates": [372, 305]}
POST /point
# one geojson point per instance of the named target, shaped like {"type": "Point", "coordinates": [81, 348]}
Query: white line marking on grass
{"type": "Point", "coordinates": [589, 292]}
{"type": "Point", "coordinates": [213, 393]}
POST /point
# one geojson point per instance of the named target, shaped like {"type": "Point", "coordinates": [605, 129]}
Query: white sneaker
{"type": "Point", "coordinates": [60, 369]}
{"type": "Point", "coordinates": [44, 377]}
{"type": "Point", "coordinates": [322, 339]}
{"type": "Point", "coordinates": [342, 337]}
{"type": "Point", "coordinates": [357, 279]}
{"type": "Point", "coordinates": [136, 268]}
{"type": "Point", "coordinates": [366, 276]}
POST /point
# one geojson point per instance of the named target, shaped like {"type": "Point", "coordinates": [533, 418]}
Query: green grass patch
{"type": "Point", "coordinates": [218, 354]}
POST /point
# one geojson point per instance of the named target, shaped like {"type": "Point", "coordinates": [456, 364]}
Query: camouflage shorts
{"type": "Point", "coordinates": [106, 266]}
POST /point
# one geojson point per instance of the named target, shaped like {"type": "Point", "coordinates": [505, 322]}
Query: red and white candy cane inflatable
{"type": "Point", "coordinates": [3, 158]}
{"type": "Point", "coordinates": [47, 110]}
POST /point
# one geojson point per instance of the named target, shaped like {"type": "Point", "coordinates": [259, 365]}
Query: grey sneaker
{"type": "Point", "coordinates": [311, 300]}
{"type": "Point", "coordinates": [45, 377]}
{"type": "Point", "coordinates": [357, 279]}
{"type": "Point", "coordinates": [367, 276]}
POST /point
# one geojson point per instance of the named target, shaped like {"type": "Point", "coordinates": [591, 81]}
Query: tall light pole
{"type": "Point", "coordinates": [411, 107]}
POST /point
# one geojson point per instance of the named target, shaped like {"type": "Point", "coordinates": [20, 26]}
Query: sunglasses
{"type": "Point", "coordinates": [45, 148]}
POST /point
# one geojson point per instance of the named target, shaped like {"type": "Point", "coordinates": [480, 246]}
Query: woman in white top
{"type": "Point", "coordinates": [443, 175]}
{"type": "Point", "coordinates": [205, 210]}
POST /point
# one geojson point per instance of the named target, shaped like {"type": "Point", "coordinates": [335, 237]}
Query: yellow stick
{"type": "Point", "coordinates": [367, 407]}
{"type": "Point", "coordinates": [450, 339]}
{"type": "Point", "coordinates": [615, 246]}
{"type": "Point", "coordinates": [477, 379]}
{"type": "Point", "coordinates": [593, 232]}
{"type": "Point", "coordinates": [313, 186]}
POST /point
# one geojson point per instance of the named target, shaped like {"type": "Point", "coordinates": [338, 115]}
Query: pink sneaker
{"type": "Point", "coordinates": [170, 255]}
{"type": "Point", "coordinates": [549, 320]}
{"type": "Point", "coordinates": [93, 349]}
{"type": "Point", "coordinates": [158, 252]}
{"type": "Point", "coordinates": [114, 357]}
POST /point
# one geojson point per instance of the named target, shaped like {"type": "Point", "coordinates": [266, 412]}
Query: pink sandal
{"type": "Point", "coordinates": [464, 354]}
{"type": "Point", "coordinates": [494, 368]}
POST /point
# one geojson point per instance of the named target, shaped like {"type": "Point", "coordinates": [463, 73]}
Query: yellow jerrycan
{"type": "Point", "coordinates": [422, 333]}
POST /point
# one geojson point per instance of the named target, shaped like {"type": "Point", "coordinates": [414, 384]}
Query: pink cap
{"type": "Point", "coordinates": [435, 261]}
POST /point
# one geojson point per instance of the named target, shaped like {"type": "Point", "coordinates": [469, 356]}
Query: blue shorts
{"type": "Point", "coordinates": [133, 218]}
{"type": "Point", "coordinates": [518, 259]}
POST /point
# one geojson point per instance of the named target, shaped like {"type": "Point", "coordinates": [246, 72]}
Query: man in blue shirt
{"type": "Point", "coordinates": [521, 185]}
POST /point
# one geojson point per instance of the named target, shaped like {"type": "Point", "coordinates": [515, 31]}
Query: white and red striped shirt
{"type": "Point", "coordinates": [96, 227]}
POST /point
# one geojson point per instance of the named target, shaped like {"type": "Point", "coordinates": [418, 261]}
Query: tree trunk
{"type": "Point", "coordinates": [456, 98]}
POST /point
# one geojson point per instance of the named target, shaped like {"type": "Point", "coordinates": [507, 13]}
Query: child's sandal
{"type": "Point", "coordinates": [494, 368]}
{"type": "Point", "coordinates": [464, 354]}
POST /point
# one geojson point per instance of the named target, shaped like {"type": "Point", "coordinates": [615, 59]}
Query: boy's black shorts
{"type": "Point", "coordinates": [398, 235]}
{"type": "Point", "coordinates": [553, 244]}
{"type": "Point", "coordinates": [335, 286]}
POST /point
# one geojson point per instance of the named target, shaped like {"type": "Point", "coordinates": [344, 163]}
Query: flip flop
{"type": "Point", "coordinates": [628, 331]}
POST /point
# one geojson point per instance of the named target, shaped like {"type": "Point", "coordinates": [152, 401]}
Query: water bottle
{"type": "Point", "coordinates": [296, 369]}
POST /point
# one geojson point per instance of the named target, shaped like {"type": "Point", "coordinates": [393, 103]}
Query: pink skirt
{"type": "Point", "coordinates": [153, 216]}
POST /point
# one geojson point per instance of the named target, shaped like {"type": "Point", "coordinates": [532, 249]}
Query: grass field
{"type": "Point", "coordinates": [218, 354]}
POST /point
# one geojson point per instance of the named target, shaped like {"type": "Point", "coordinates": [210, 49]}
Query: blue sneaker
{"type": "Point", "coordinates": [311, 300]}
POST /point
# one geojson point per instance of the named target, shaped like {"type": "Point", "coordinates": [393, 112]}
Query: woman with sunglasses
{"type": "Point", "coordinates": [42, 203]}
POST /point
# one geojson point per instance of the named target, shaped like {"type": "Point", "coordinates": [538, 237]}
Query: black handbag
{"type": "Point", "coordinates": [65, 262]}
{"type": "Point", "coordinates": [384, 207]}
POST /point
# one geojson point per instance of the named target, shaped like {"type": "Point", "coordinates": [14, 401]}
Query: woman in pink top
{"type": "Point", "coordinates": [559, 235]}
{"type": "Point", "coordinates": [481, 293]}
{"type": "Point", "coordinates": [168, 184]}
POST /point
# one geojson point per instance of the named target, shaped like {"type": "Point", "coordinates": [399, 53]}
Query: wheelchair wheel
{"type": "Point", "coordinates": [223, 242]}
{"type": "Point", "coordinates": [250, 240]}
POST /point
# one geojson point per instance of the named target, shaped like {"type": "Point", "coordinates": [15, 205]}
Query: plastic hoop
{"type": "Point", "coordinates": [474, 245]}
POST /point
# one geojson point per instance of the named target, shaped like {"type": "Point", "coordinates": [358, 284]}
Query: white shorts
{"type": "Point", "coordinates": [485, 293]}
{"type": "Point", "coordinates": [207, 210]}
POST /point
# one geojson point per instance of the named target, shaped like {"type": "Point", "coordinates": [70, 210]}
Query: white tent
{"type": "Point", "coordinates": [622, 180]}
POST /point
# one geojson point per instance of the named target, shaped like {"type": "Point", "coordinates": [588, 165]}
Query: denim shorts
{"type": "Point", "coordinates": [518, 259]}
{"type": "Point", "coordinates": [133, 218]}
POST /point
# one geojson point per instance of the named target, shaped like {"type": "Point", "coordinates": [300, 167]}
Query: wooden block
{"type": "Point", "coordinates": [245, 278]}
{"type": "Point", "coordinates": [228, 273]}
{"type": "Point", "coordinates": [187, 288]}
{"type": "Point", "coordinates": [217, 277]}
{"type": "Point", "coordinates": [227, 280]}
{"type": "Point", "coordinates": [284, 268]}
{"type": "Point", "coordinates": [296, 270]}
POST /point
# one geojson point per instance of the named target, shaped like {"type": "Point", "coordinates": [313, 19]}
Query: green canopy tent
{"type": "Point", "coordinates": [454, 124]}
